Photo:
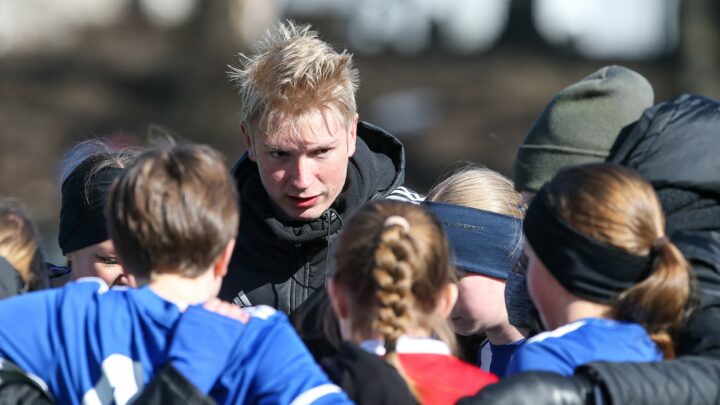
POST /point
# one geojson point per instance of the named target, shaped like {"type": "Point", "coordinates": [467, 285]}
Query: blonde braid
{"type": "Point", "coordinates": [393, 276]}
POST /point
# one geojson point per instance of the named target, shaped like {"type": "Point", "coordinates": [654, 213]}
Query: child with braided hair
{"type": "Point", "coordinates": [392, 291]}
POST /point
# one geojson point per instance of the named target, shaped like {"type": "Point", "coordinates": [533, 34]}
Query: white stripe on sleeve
{"type": "Point", "coordinates": [315, 393]}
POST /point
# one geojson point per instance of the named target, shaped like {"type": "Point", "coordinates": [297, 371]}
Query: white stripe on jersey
{"type": "Point", "coordinates": [315, 393]}
{"type": "Point", "coordinates": [563, 330]}
{"type": "Point", "coordinates": [403, 193]}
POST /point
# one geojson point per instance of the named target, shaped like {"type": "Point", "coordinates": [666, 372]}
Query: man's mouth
{"type": "Point", "coordinates": [303, 202]}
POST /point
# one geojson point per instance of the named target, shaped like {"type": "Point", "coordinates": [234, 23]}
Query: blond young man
{"type": "Point", "coordinates": [172, 217]}
{"type": "Point", "coordinates": [309, 164]}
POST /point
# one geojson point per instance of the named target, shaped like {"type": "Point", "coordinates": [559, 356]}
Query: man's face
{"type": "Point", "coordinates": [303, 171]}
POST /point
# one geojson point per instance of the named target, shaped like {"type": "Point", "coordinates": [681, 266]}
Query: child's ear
{"type": "Point", "coordinates": [221, 264]}
{"type": "Point", "coordinates": [338, 299]}
{"type": "Point", "coordinates": [448, 298]}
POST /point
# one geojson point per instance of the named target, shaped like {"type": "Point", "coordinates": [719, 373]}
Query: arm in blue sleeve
{"type": "Point", "coordinates": [25, 337]}
{"type": "Point", "coordinates": [287, 372]}
{"type": "Point", "coordinates": [200, 345]}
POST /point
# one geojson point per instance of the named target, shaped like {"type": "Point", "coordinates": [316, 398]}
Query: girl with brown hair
{"type": "Point", "coordinates": [392, 291]}
{"type": "Point", "coordinates": [609, 285]}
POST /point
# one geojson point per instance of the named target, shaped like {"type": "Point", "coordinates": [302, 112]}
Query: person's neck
{"type": "Point", "coordinates": [503, 334]}
{"type": "Point", "coordinates": [579, 309]}
{"type": "Point", "coordinates": [184, 291]}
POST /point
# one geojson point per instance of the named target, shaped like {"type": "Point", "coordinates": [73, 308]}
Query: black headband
{"type": "Point", "coordinates": [586, 267]}
{"type": "Point", "coordinates": [82, 217]}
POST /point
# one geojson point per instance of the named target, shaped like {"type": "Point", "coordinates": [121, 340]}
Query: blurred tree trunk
{"type": "Point", "coordinates": [700, 47]}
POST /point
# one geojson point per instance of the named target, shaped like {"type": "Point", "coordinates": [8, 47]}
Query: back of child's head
{"type": "Point", "coordinates": [619, 212]}
{"type": "Point", "coordinates": [393, 263]}
{"type": "Point", "coordinates": [173, 211]}
{"type": "Point", "coordinates": [480, 188]}
{"type": "Point", "coordinates": [20, 245]}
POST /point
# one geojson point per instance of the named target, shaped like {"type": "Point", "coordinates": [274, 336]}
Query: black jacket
{"type": "Point", "coordinates": [282, 263]}
{"type": "Point", "coordinates": [689, 380]}
{"type": "Point", "coordinates": [675, 145]}
{"type": "Point", "coordinates": [366, 378]}
{"type": "Point", "coordinates": [168, 386]}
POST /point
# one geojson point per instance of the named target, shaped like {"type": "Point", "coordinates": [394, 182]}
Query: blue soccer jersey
{"type": "Point", "coordinates": [584, 341]}
{"type": "Point", "coordinates": [95, 346]}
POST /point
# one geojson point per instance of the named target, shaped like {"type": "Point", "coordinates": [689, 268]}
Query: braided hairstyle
{"type": "Point", "coordinates": [393, 263]}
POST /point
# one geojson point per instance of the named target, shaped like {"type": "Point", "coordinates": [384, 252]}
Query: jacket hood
{"type": "Point", "coordinates": [375, 169]}
{"type": "Point", "coordinates": [675, 145]}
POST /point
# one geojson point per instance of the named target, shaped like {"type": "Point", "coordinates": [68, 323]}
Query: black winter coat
{"type": "Point", "coordinates": [367, 378]}
{"type": "Point", "coordinates": [676, 146]}
{"type": "Point", "coordinates": [282, 263]}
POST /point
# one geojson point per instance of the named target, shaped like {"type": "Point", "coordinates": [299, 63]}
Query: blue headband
{"type": "Point", "coordinates": [482, 242]}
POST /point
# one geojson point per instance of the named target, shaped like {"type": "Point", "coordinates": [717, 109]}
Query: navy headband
{"type": "Point", "coordinates": [585, 267]}
{"type": "Point", "coordinates": [82, 216]}
{"type": "Point", "coordinates": [482, 242]}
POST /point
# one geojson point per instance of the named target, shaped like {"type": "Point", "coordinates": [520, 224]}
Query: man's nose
{"type": "Point", "coordinates": [302, 176]}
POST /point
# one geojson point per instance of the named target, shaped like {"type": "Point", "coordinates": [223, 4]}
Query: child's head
{"type": "Point", "coordinates": [393, 275]}
{"type": "Point", "coordinates": [86, 173]}
{"type": "Point", "coordinates": [486, 239]}
{"type": "Point", "coordinates": [20, 245]}
{"type": "Point", "coordinates": [596, 234]}
{"type": "Point", "coordinates": [173, 211]}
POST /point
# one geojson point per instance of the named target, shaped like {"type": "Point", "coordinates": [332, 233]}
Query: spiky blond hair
{"type": "Point", "coordinates": [291, 73]}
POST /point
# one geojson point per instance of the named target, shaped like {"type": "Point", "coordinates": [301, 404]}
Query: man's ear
{"type": "Point", "coordinates": [220, 267]}
{"type": "Point", "coordinates": [338, 299]}
{"type": "Point", "coordinates": [248, 141]}
{"type": "Point", "coordinates": [352, 136]}
{"type": "Point", "coordinates": [448, 298]}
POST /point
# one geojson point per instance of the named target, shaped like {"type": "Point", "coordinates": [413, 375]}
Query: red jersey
{"type": "Point", "coordinates": [439, 377]}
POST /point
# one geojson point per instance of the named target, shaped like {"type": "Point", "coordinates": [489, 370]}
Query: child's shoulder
{"type": "Point", "coordinates": [565, 331]}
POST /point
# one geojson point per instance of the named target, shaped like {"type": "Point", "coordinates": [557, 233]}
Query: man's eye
{"type": "Point", "coordinates": [279, 154]}
{"type": "Point", "coordinates": [323, 152]}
